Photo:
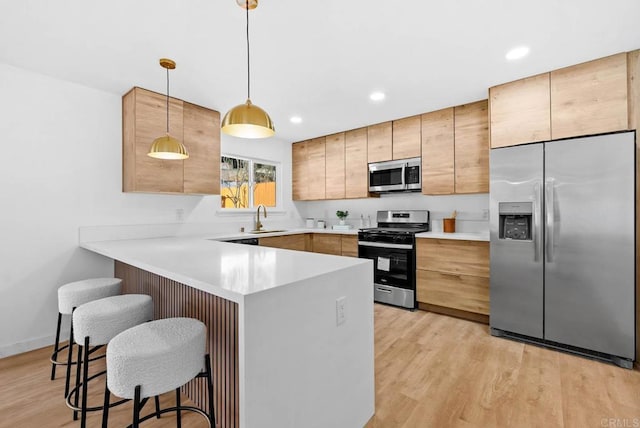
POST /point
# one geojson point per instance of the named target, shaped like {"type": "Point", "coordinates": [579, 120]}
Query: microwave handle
{"type": "Point", "coordinates": [404, 167]}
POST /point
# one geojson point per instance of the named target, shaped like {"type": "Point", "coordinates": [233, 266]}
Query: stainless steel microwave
{"type": "Point", "coordinates": [402, 175]}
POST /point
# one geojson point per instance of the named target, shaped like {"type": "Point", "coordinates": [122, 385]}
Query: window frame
{"type": "Point", "coordinates": [252, 161]}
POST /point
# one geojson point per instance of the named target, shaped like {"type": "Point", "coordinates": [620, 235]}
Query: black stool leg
{"type": "Point", "coordinates": [212, 412]}
{"type": "Point", "coordinates": [157, 400]}
{"type": "Point", "coordinates": [105, 411]}
{"type": "Point", "coordinates": [78, 367]}
{"type": "Point", "coordinates": [54, 357]}
{"type": "Point", "coordinates": [70, 351]}
{"type": "Point", "coordinates": [85, 382]}
{"type": "Point", "coordinates": [178, 410]}
{"type": "Point", "coordinates": [136, 408]}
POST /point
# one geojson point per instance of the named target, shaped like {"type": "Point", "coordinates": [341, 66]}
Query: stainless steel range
{"type": "Point", "coordinates": [392, 247]}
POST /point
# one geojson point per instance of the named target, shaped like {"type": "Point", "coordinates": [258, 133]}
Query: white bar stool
{"type": "Point", "coordinates": [156, 357]}
{"type": "Point", "coordinates": [95, 324]}
{"type": "Point", "coordinates": [70, 296]}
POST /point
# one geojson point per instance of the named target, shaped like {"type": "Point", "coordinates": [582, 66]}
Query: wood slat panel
{"type": "Point", "coordinates": [462, 292]}
{"type": "Point", "coordinates": [453, 256]}
{"type": "Point", "coordinates": [173, 299]}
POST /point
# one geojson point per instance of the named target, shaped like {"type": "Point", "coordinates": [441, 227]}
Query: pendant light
{"type": "Point", "coordinates": [167, 147]}
{"type": "Point", "coordinates": [248, 120]}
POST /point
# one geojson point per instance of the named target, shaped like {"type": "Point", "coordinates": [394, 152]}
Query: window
{"type": "Point", "coordinates": [247, 183]}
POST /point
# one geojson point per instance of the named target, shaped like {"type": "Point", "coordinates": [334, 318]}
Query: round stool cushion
{"type": "Point", "coordinates": [74, 294]}
{"type": "Point", "coordinates": [159, 356]}
{"type": "Point", "coordinates": [103, 319]}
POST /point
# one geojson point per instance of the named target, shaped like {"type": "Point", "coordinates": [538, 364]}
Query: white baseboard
{"type": "Point", "coordinates": [30, 345]}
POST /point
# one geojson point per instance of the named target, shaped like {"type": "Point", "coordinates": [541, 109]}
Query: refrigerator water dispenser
{"type": "Point", "coordinates": [515, 220]}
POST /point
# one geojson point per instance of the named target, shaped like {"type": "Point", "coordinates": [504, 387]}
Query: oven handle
{"type": "Point", "coordinates": [385, 245]}
{"type": "Point", "coordinates": [404, 168]}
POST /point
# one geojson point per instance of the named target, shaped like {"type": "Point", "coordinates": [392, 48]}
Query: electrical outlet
{"type": "Point", "coordinates": [179, 214]}
{"type": "Point", "coordinates": [485, 214]}
{"type": "Point", "coordinates": [341, 310]}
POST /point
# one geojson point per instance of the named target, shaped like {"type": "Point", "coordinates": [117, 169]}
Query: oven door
{"type": "Point", "coordinates": [393, 272]}
{"type": "Point", "coordinates": [387, 176]}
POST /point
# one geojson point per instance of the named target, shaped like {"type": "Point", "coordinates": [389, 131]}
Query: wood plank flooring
{"type": "Point", "coordinates": [431, 371]}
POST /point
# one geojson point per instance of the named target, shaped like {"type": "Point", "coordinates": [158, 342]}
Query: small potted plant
{"type": "Point", "coordinates": [342, 215]}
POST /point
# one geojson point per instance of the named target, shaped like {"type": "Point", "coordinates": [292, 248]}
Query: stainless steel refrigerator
{"type": "Point", "coordinates": [563, 245]}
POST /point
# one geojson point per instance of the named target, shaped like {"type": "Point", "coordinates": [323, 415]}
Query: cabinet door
{"type": "Point", "coordinates": [356, 169]}
{"type": "Point", "coordinates": [299, 180]}
{"type": "Point", "coordinates": [379, 142]}
{"type": "Point", "coordinates": [288, 242]}
{"type": "Point", "coordinates": [150, 118]}
{"type": "Point", "coordinates": [438, 157]}
{"type": "Point", "coordinates": [326, 243]}
{"type": "Point", "coordinates": [335, 173]}
{"type": "Point", "coordinates": [406, 137]}
{"type": "Point", "coordinates": [462, 292]}
{"type": "Point", "coordinates": [520, 111]}
{"type": "Point", "coordinates": [202, 140]}
{"type": "Point", "coordinates": [589, 98]}
{"type": "Point", "coordinates": [316, 173]}
{"type": "Point", "coordinates": [472, 148]}
{"type": "Point", "coordinates": [349, 245]}
{"type": "Point", "coordinates": [453, 256]}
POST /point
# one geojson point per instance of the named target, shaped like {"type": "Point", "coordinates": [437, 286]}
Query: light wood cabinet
{"type": "Point", "coordinates": [335, 166]}
{"type": "Point", "coordinates": [327, 243]}
{"type": "Point", "coordinates": [406, 139]}
{"type": "Point", "coordinates": [453, 275]}
{"type": "Point", "coordinates": [308, 170]}
{"type": "Point", "coordinates": [455, 150]}
{"type": "Point", "coordinates": [298, 242]}
{"type": "Point", "coordinates": [356, 169]}
{"type": "Point", "coordinates": [521, 111]}
{"type": "Point", "coordinates": [590, 98]}
{"type": "Point", "coordinates": [144, 118]}
{"type": "Point", "coordinates": [349, 245]}
{"type": "Point", "coordinates": [299, 179]}
{"type": "Point", "coordinates": [379, 142]}
{"type": "Point", "coordinates": [471, 148]}
{"type": "Point", "coordinates": [438, 158]}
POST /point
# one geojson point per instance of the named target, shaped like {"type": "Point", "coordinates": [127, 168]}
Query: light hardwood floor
{"type": "Point", "coordinates": [431, 371]}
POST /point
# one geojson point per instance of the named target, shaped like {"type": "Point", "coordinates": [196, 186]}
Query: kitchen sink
{"type": "Point", "coordinates": [266, 231]}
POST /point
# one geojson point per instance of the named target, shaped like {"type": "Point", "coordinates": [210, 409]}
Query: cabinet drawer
{"type": "Point", "coordinates": [327, 244]}
{"type": "Point", "coordinates": [462, 292]}
{"type": "Point", "coordinates": [453, 256]}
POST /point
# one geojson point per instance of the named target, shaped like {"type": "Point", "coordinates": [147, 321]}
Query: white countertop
{"type": "Point", "coordinates": [248, 235]}
{"type": "Point", "coordinates": [228, 270]}
{"type": "Point", "coordinates": [463, 236]}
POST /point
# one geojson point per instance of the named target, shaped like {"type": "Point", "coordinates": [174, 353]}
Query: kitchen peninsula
{"type": "Point", "coordinates": [290, 332]}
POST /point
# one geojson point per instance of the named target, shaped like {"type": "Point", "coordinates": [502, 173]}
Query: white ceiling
{"type": "Point", "coordinates": [319, 60]}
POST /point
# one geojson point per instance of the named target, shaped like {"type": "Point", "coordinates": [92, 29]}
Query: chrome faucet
{"type": "Point", "coordinates": [258, 224]}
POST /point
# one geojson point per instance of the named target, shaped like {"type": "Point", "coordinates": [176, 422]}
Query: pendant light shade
{"type": "Point", "coordinates": [248, 120]}
{"type": "Point", "coordinates": [167, 147]}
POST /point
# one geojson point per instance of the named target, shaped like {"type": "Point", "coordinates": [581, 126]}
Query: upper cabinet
{"type": "Point", "coordinates": [335, 166]}
{"type": "Point", "coordinates": [379, 142]}
{"type": "Point", "coordinates": [521, 111]}
{"type": "Point", "coordinates": [583, 99]}
{"type": "Point", "coordinates": [144, 118]}
{"type": "Point", "coordinates": [472, 148]}
{"type": "Point", "coordinates": [356, 169]}
{"type": "Point", "coordinates": [589, 98]}
{"type": "Point", "coordinates": [308, 172]}
{"type": "Point", "coordinates": [455, 150]}
{"type": "Point", "coordinates": [406, 137]}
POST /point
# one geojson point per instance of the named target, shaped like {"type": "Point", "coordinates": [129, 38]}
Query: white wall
{"type": "Point", "coordinates": [62, 170]}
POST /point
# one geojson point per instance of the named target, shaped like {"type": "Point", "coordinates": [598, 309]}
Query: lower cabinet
{"type": "Point", "coordinates": [452, 277]}
{"type": "Point", "coordinates": [299, 242]}
{"type": "Point", "coordinates": [349, 245]}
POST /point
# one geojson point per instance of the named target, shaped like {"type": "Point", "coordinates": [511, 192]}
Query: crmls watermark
{"type": "Point", "coordinates": [620, 422]}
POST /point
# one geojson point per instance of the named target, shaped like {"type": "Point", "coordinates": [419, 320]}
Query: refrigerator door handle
{"type": "Point", "coordinates": [537, 230]}
{"type": "Point", "coordinates": [550, 217]}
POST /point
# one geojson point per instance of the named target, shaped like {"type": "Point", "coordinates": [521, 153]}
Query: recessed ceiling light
{"type": "Point", "coordinates": [295, 119]}
{"type": "Point", "coordinates": [517, 53]}
{"type": "Point", "coordinates": [377, 96]}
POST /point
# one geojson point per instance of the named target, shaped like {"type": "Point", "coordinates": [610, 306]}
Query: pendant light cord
{"type": "Point", "coordinates": [167, 101]}
{"type": "Point", "coordinates": [248, 63]}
